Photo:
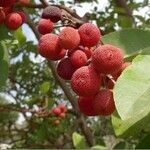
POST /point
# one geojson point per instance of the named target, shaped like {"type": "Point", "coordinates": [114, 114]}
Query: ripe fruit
{"type": "Point", "coordinates": [57, 56]}
{"type": "Point", "coordinates": [45, 26]}
{"type": "Point", "coordinates": [53, 13]}
{"type": "Point", "coordinates": [7, 3]}
{"type": "Point", "coordinates": [65, 69]}
{"type": "Point", "coordinates": [90, 34]}
{"type": "Point", "coordinates": [62, 115]}
{"type": "Point", "coordinates": [107, 59]}
{"type": "Point", "coordinates": [85, 81]}
{"type": "Point", "coordinates": [78, 59]}
{"type": "Point", "coordinates": [56, 111]}
{"type": "Point", "coordinates": [23, 16]}
{"type": "Point", "coordinates": [62, 108]}
{"type": "Point", "coordinates": [48, 46]}
{"type": "Point", "coordinates": [69, 38]}
{"type": "Point", "coordinates": [24, 2]}
{"type": "Point", "coordinates": [103, 103]}
{"type": "Point", "coordinates": [13, 21]}
{"type": "Point", "coordinates": [86, 106]}
{"type": "Point", "coordinates": [88, 51]}
{"type": "Point", "coordinates": [56, 122]}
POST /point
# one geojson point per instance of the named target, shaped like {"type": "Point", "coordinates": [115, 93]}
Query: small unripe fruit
{"type": "Point", "coordinates": [7, 3]}
{"type": "Point", "coordinates": [65, 69]}
{"type": "Point", "coordinates": [13, 21]}
{"type": "Point", "coordinates": [56, 111]}
{"type": "Point", "coordinates": [69, 38]}
{"type": "Point", "coordinates": [107, 59]}
{"type": "Point", "coordinates": [56, 122]}
{"type": "Point", "coordinates": [48, 46]}
{"type": "Point", "coordinates": [78, 59]}
{"type": "Point", "coordinates": [62, 115]}
{"type": "Point", "coordinates": [86, 106]}
{"type": "Point", "coordinates": [90, 34]}
{"type": "Point", "coordinates": [85, 81]}
{"type": "Point", "coordinates": [45, 26]}
{"type": "Point", "coordinates": [103, 103]}
{"type": "Point", "coordinates": [53, 13]}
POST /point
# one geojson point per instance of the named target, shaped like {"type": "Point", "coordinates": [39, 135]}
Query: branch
{"type": "Point", "coordinates": [86, 131]}
{"type": "Point", "coordinates": [123, 4]}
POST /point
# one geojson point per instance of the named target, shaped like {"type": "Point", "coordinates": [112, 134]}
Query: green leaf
{"type": "Point", "coordinates": [130, 127]}
{"type": "Point", "coordinates": [44, 88]}
{"type": "Point", "coordinates": [4, 32]}
{"type": "Point", "coordinates": [130, 40]}
{"type": "Point", "coordinates": [144, 143]}
{"type": "Point", "coordinates": [3, 65]}
{"type": "Point", "coordinates": [18, 34]}
{"type": "Point", "coordinates": [132, 89]}
{"type": "Point", "coordinates": [78, 141]}
{"type": "Point", "coordinates": [121, 145]}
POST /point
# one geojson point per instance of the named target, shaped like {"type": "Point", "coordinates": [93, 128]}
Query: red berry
{"type": "Point", "coordinates": [65, 69]}
{"type": "Point", "coordinates": [78, 59]}
{"type": "Point", "coordinates": [107, 59]}
{"type": "Point", "coordinates": [13, 21]}
{"type": "Point", "coordinates": [56, 111]}
{"type": "Point", "coordinates": [90, 34]}
{"type": "Point", "coordinates": [62, 115]}
{"type": "Point", "coordinates": [85, 81]}
{"type": "Point", "coordinates": [103, 103]}
{"type": "Point", "coordinates": [58, 56]}
{"type": "Point", "coordinates": [45, 26]}
{"type": "Point", "coordinates": [48, 46]}
{"type": "Point", "coordinates": [86, 106]}
{"type": "Point", "coordinates": [23, 16]}
{"type": "Point", "coordinates": [24, 2]}
{"type": "Point", "coordinates": [7, 3]}
{"type": "Point", "coordinates": [53, 13]}
{"type": "Point", "coordinates": [69, 38]}
{"type": "Point", "coordinates": [88, 51]}
{"type": "Point", "coordinates": [63, 108]}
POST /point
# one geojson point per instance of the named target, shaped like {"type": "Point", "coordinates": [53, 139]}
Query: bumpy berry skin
{"type": "Point", "coordinates": [69, 38]}
{"type": "Point", "coordinates": [53, 13]}
{"type": "Point", "coordinates": [13, 21]}
{"type": "Point", "coordinates": [48, 46]}
{"type": "Point", "coordinates": [56, 111]}
{"type": "Point", "coordinates": [107, 59]}
{"type": "Point", "coordinates": [45, 26]}
{"type": "Point", "coordinates": [7, 3]}
{"type": "Point", "coordinates": [65, 69]}
{"type": "Point", "coordinates": [23, 16]}
{"type": "Point", "coordinates": [85, 81]}
{"type": "Point", "coordinates": [88, 52]}
{"type": "Point", "coordinates": [90, 34]}
{"type": "Point", "coordinates": [57, 56]}
{"type": "Point", "coordinates": [78, 59]}
{"type": "Point", "coordinates": [86, 106]}
{"type": "Point", "coordinates": [103, 103]}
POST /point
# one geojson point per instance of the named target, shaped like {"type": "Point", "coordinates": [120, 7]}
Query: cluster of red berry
{"type": "Point", "coordinates": [12, 19]}
{"type": "Point", "coordinates": [59, 112]}
{"type": "Point", "coordinates": [83, 61]}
